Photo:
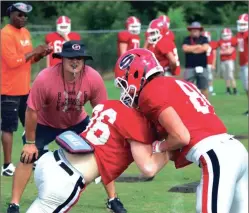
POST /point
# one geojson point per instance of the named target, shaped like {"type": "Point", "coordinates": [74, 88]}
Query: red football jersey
{"type": "Point", "coordinates": [242, 42]}
{"type": "Point", "coordinates": [112, 124]}
{"type": "Point", "coordinates": [210, 55]}
{"type": "Point", "coordinates": [132, 40]}
{"type": "Point", "coordinates": [57, 41]}
{"type": "Point", "coordinates": [193, 108]}
{"type": "Point", "coordinates": [163, 47]}
{"type": "Point", "coordinates": [225, 44]}
{"type": "Point", "coordinates": [170, 35]}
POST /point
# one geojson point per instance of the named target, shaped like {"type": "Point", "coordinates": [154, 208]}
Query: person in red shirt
{"type": "Point", "coordinates": [211, 60]}
{"type": "Point", "coordinates": [57, 39]}
{"type": "Point", "coordinates": [164, 48]}
{"type": "Point", "coordinates": [170, 35]}
{"type": "Point", "coordinates": [113, 144]}
{"type": "Point", "coordinates": [129, 38]}
{"type": "Point", "coordinates": [242, 42]}
{"type": "Point", "coordinates": [190, 128]}
{"type": "Point", "coordinates": [227, 46]}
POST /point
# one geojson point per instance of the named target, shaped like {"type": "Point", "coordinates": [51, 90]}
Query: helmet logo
{"type": "Point", "coordinates": [76, 47]}
{"type": "Point", "coordinates": [126, 61]}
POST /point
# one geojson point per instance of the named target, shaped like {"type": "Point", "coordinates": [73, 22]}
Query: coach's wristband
{"type": "Point", "coordinates": [30, 142]}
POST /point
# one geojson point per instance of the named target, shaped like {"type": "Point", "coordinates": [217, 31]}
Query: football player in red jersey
{"type": "Point", "coordinates": [227, 45]}
{"type": "Point", "coordinates": [164, 49]}
{"type": "Point", "coordinates": [170, 35]}
{"type": "Point", "coordinates": [129, 38]}
{"type": "Point", "coordinates": [57, 39]}
{"type": "Point", "coordinates": [211, 60]}
{"type": "Point", "coordinates": [191, 129]}
{"type": "Point", "coordinates": [242, 39]}
{"type": "Point", "coordinates": [114, 145]}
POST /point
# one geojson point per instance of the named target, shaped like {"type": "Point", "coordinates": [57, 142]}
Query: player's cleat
{"type": "Point", "coordinates": [8, 171]}
{"type": "Point", "coordinates": [115, 206]}
{"type": "Point", "coordinates": [13, 208]}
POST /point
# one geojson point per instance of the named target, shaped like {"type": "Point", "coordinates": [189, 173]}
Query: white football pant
{"type": "Point", "coordinates": [244, 76]}
{"type": "Point", "coordinates": [59, 184]}
{"type": "Point", "coordinates": [224, 182]}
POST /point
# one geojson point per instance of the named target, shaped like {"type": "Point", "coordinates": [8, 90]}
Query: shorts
{"type": "Point", "coordinates": [47, 134]}
{"type": "Point", "coordinates": [244, 76]}
{"type": "Point", "coordinates": [201, 79]}
{"type": "Point", "coordinates": [59, 184]}
{"type": "Point", "coordinates": [12, 108]}
{"type": "Point", "coordinates": [227, 69]}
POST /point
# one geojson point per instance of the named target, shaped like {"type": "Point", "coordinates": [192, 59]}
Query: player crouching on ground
{"type": "Point", "coordinates": [191, 130]}
{"type": "Point", "coordinates": [106, 148]}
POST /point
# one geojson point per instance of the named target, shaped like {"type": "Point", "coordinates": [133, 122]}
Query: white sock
{"type": "Point", "coordinates": [211, 88]}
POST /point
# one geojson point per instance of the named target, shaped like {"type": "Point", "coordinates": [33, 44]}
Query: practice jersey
{"type": "Point", "coordinates": [132, 40]}
{"type": "Point", "coordinates": [109, 130]}
{"type": "Point", "coordinates": [226, 44]}
{"type": "Point", "coordinates": [195, 111]}
{"type": "Point", "coordinates": [242, 42]}
{"type": "Point", "coordinates": [163, 47]}
{"type": "Point", "coordinates": [210, 54]}
{"type": "Point", "coordinates": [57, 41]}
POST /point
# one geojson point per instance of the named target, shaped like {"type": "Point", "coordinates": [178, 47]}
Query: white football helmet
{"type": "Point", "coordinates": [226, 34]}
{"type": "Point", "coordinates": [242, 23]}
{"type": "Point", "coordinates": [63, 25]}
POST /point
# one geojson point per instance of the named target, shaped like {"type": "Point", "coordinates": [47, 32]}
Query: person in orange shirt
{"type": "Point", "coordinates": [17, 55]}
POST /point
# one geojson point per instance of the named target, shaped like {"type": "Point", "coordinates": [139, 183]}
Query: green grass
{"type": "Point", "coordinates": [150, 197]}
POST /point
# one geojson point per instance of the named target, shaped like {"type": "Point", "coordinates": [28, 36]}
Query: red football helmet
{"type": "Point", "coordinates": [63, 25]}
{"type": "Point", "coordinates": [165, 19]}
{"type": "Point", "coordinates": [226, 34]}
{"type": "Point", "coordinates": [132, 70]}
{"type": "Point", "coordinates": [207, 35]}
{"type": "Point", "coordinates": [242, 23]}
{"type": "Point", "coordinates": [133, 25]}
{"type": "Point", "coordinates": [156, 30]}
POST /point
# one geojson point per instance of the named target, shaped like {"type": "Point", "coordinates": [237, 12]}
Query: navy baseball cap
{"type": "Point", "coordinates": [19, 6]}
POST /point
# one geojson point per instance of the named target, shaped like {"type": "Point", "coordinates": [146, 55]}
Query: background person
{"type": "Point", "coordinates": [195, 47]}
{"type": "Point", "coordinates": [56, 104]}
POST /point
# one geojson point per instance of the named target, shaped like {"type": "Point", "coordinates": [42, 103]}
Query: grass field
{"type": "Point", "coordinates": [150, 197]}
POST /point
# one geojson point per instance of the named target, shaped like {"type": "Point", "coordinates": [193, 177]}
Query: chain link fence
{"type": "Point", "coordinates": [102, 45]}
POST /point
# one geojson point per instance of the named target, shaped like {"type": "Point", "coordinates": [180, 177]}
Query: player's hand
{"type": "Point", "coordinates": [28, 152]}
{"type": "Point", "coordinates": [213, 67]}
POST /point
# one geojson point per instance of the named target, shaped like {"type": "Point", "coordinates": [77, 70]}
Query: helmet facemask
{"type": "Point", "coordinates": [242, 26]}
{"type": "Point", "coordinates": [134, 28]}
{"type": "Point", "coordinates": [154, 36]}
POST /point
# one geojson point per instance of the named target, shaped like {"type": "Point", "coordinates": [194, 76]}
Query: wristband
{"type": "Point", "coordinates": [30, 142]}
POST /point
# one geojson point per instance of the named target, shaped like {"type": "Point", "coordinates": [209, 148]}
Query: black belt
{"type": "Point", "coordinates": [62, 164]}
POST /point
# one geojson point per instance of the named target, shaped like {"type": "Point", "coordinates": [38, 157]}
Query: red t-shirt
{"type": "Point", "coordinates": [112, 124]}
{"type": "Point", "coordinates": [57, 42]}
{"type": "Point", "coordinates": [195, 111]}
{"type": "Point", "coordinates": [226, 44]}
{"type": "Point", "coordinates": [242, 42]}
{"type": "Point", "coordinates": [163, 47]}
{"type": "Point", "coordinates": [210, 54]}
{"type": "Point", "coordinates": [132, 40]}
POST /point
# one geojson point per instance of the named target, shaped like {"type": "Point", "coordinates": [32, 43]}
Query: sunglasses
{"type": "Point", "coordinates": [77, 58]}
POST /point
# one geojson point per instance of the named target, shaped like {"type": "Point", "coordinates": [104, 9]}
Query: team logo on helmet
{"type": "Point", "coordinates": [76, 47]}
{"type": "Point", "coordinates": [126, 61]}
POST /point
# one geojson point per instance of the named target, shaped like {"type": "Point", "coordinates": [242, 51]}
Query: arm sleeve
{"type": "Point", "coordinates": [9, 52]}
{"type": "Point", "coordinates": [185, 41]}
{"type": "Point", "coordinates": [37, 94]}
{"type": "Point", "coordinates": [123, 37]}
{"type": "Point", "coordinates": [98, 93]}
